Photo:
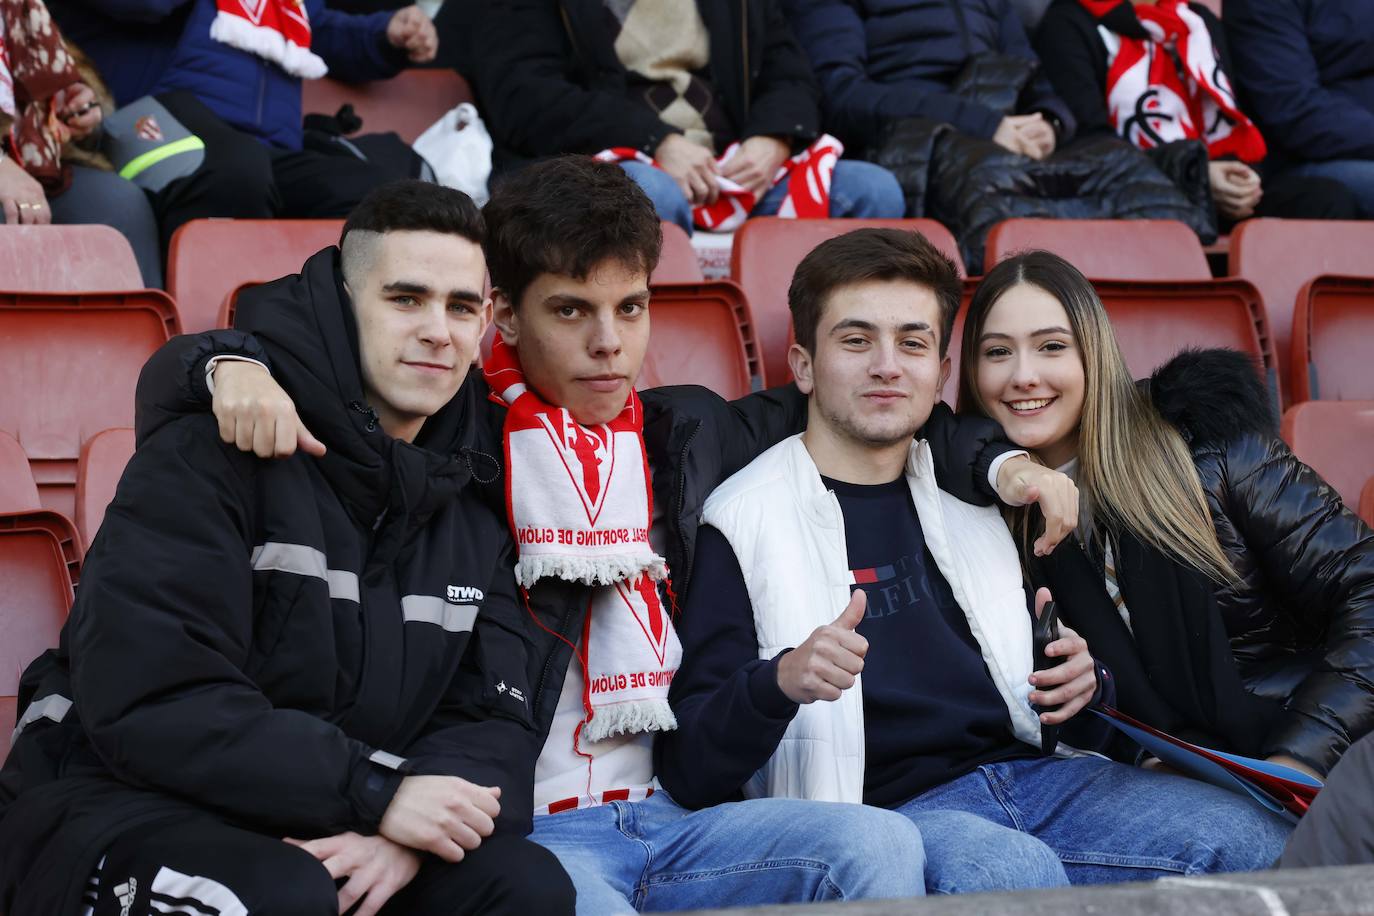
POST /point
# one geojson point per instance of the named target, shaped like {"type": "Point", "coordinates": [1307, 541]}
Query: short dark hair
{"type": "Point", "coordinates": [417, 206]}
{"type": "Point", "coordinates": [565, 216]}
{"type": "Point", "coordinates": [870, 254]}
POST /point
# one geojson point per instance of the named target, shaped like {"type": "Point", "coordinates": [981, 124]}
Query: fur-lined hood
{"type": "Point", "coordinates": [1213, 396]}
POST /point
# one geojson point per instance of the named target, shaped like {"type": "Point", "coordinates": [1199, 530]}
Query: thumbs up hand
{"type": "Point", "coordinates": [826, 664]}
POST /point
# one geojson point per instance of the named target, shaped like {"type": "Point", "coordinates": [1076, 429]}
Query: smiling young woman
{"type": "Point", "coordinates": [1222, 581]}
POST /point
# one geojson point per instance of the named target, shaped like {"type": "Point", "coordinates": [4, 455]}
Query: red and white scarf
{"type": "Point", "coordinates": [1150, 103]}
{"type": "Point", "coordinates": [808, 194]}
{"type": "Point", "coordinates": [580, 505]}
{"type": "Point", "coordinates": [275, 30]}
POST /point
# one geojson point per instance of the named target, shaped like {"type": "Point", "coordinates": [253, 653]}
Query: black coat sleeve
{"type": "Point", "coordinates": [1318, 559]}
{"type": "Point", "coordinates": [160, 635]}
{"type": "Point", "coordinates": [784, 100]}
{"type": "Point", "coordinates": [1040, 94]}
{"type": "Point", "coordinates": [172, 382]}
{"type": "Point", "coordinates": [1074, 60]}
{"type": "Point", "coordinates": [731, 714]}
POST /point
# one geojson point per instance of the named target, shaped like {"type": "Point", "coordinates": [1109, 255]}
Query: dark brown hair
{"type": "Point", "coordinates": [565, 216]}
{"type": "Point", "coordinates": [870, 254]}
{"type": "Point", "coordinates": [416, 206]}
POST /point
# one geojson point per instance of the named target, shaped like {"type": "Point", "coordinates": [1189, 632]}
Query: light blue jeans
{"type": "Point", "coordinates": [1356, 174]}
{"type": "Point", "coordinates": [1046, 822]}
{"type": "Point", "coordinates": [858, 189]}
{"type": "Point", "coordinates": [657, 855]}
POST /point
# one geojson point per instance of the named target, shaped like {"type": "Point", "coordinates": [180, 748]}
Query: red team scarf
{"type": "Point", "coordinates": [808, 194]}
{"type": "Point", "coordinates": [275, 30]}
{"type": "Point", "coordinates": [580, 505]}
{"type": "Point", "coordinates": [1151, 103]}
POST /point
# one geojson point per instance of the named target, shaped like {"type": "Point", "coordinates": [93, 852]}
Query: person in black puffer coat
{"type": "Point", "coordinates": [1227, 587]}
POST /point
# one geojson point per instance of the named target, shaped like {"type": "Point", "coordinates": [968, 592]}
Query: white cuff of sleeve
{"type": "Point", "coordinates": [993, 468]}
{"type": "Point", "coordinates": [225, 357]}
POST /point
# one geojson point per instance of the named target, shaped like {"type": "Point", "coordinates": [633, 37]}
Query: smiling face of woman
{"type": "Point", "coordinates": [1030, 373]}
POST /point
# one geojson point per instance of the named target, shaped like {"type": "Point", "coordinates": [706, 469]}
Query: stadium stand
{"type": "Point", "coordinates": [38, 566]}
{"type": "Point", "coordinates": [1336, 438]}
{"type": "Point", "coordinates": [701, 335]}
{"type": "Point", "coordinates": [102, 462]}
{"type": "Point", "coordinates": [407, 103]}
{"type": "Point", "coordinates": [1108, 249]}
{"type": "Point", "coordinates": [18, 492]}
{"type": "Point", "coordinates": [1280, 255]}
{"type": "Point", "coordinates": [71, 259]}
{"type": "Point", "coordinates": [767, 251]}
{"type": "Point", "coordinates": [210, 258]}
{"type": "Point", "coordinates": [1333, 330]}
{"type": "Point", "coordinates": [1367, 502]}
{"type": "Point", "coordinates": [71, 363]}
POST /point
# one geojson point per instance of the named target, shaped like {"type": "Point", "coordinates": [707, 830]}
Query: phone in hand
{"type": "Point", "coordinates": [1044, 631]}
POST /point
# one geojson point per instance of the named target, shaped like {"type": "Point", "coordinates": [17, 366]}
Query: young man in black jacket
{"type": "Point", "coordinates": [271, 695]}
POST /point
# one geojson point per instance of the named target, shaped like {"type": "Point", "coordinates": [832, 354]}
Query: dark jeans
{"type": "Point", "coordinates": [201, 864]}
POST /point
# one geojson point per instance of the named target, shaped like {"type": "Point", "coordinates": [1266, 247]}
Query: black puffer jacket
{"type": "Point", "coordinates": [1301, 617]}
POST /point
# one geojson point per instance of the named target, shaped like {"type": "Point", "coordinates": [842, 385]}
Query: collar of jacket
{"type": "Point", "coordinates": [307, 326]}
{"type": "Point", "coordinates": [1120, 18]}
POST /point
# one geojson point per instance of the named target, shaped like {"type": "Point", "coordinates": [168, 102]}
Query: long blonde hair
{"type": "Point", "coordinates": [1134, 470]}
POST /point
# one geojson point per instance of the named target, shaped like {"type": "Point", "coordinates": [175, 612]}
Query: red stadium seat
{"type": "Point", "coordinates": [1107, 249]}
{"type": "Point", "coordinates": [1367, 502]}
{"type": "Point", "coordinates": [70, 367]}
{"type": "Point", "coordinates": [678, 263]}
{"type": "Point", "coordinates": [97, 475]}
{"type": "Point", "coordinates": [1280, 255]}
{"type": "Point", "coordinates": [1336, 438]}
{"type": "Point", "coordinates": [700, 338]}
{"type": "Point", "coordinates": [38, 564]}
{"type": "Point", "coordinates": [767, 251]}
{"type": "Point", "coordinates": [210, 258]}
{"type": "Point", "coordinates": [18, 492]}
{"type": "Point", "coordinates": [69, 259]}
{"type": "Point", "coordinates": [407, 103]}
{"type": "Point", "coordinates": [1333, 330]}
{"type": "Point", "coordinates": [1153, 321]}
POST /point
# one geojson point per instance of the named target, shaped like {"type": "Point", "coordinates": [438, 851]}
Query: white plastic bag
{"type": "Point", "coordinates": [459, 148]}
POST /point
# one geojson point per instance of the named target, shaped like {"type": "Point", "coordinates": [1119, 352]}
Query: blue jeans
{"type": "Point", "coordinates": [657, 855]}
{"type": "Point", "coordinates": [1043, 821]}
{"type": "Point", "coordinates": [1355, 174]}
{"type": "Point", "coordinates": [858, 189]}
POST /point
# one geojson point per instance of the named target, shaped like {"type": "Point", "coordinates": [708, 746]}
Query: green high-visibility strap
{"type": "Point", "coordinates": [154, 156]}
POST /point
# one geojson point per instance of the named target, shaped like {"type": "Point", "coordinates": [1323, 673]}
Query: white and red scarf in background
{"type": "Point", "coordinates": [1150, 103]}
{"type": "Point", "coordinates": [275, 30]}
{"type": "Point", "coordinates": [808, 194]}
{"type": "Point", "coordinates": [579, 504]}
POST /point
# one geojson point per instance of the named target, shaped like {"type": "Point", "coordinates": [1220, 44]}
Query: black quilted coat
{"type": "Point", "coordinates": [1301, 617]}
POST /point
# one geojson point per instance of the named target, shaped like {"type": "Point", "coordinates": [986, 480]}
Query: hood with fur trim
{"type": "Point", "coordinates": [1213, 396]}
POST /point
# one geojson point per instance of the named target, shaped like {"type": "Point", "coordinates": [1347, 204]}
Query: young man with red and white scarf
{"type": "Point", "coordinates": [603, 489]}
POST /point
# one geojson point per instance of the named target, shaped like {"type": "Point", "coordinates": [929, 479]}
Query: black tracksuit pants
{"type": "Point", "coordinates": [202, 866]}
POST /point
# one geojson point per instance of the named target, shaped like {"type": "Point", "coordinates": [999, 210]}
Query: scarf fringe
{"type": "Point", "coordinates": [588, 570]}
{"type": "Point", "coordinates": [629, 718]}
{"type": "Point", "coordinates": [269, 44]}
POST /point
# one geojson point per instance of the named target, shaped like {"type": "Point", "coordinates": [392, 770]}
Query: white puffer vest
{"type": "Point", "coordinates": [788, 532]}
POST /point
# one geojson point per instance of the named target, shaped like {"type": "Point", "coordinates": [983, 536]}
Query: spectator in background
{"type": "Point", "coordinates": [1156, 73]}
{"type": "Point", "coordinates": [1307, 69]}
{"type": "Point", "coordinates": [246, 104]}
{"type": "Point", "coordinates": [673, 80]}
{"type": "Point", "coordinates": [880, 60]}
{"type": "Point", "coordinates": [46, 107]}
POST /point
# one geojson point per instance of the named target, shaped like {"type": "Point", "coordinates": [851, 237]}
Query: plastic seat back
{"type": "Point", "coordinates": [1367, 502]}
{"type": "Point", "coordinates": [1335, 438]}
{"type": "Point", "coordinates": [768, 249]}
{"type": "Point", "coordinates": [1280, 255]}
{"type": "Point", "coordinates": [69, 259]}
{"type": "Point", "coordinates": [18, 492]}
{"type": "Point", "coordinates": [37, 568]}
{"type": "Point", "coordinates": [210, 258]}
{"type": "Point", "coordinates": [407, 103]}
{"type": "Point", "coordinates": [69, 364]}
{"type": "Point", "coordinates": [1107, 249]}
{"type": "Point", "coordinates": [678, 262]}
{"type": "Point", "coordinates": [97, 476]}
{"type": "Point", "coordinates": [1333, 339]}
{"type": "Point", "coordinates": [698, 338]}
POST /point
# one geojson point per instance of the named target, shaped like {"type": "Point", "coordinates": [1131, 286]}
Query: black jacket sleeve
{"type": "Point", "coordinates": [159, 637]}
{"type": "Point", "coordinates": [1074, 59]}
{"type": "Point", "coordinates": [1318, 558]}
{"type": "Point", "coordinates": [1039, 94]}
{"type": "Point", "coordinates": [731, 714]}
{"type": "Point", "coordinates": [784, 100]}
{"type": "Point", "coordinates": [172, 382]}
{"type": "Point", "coordinates": [483, 733]}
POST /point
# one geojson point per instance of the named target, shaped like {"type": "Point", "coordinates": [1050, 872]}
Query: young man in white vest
{"type": "Point", "coordinates": [912, 692]}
